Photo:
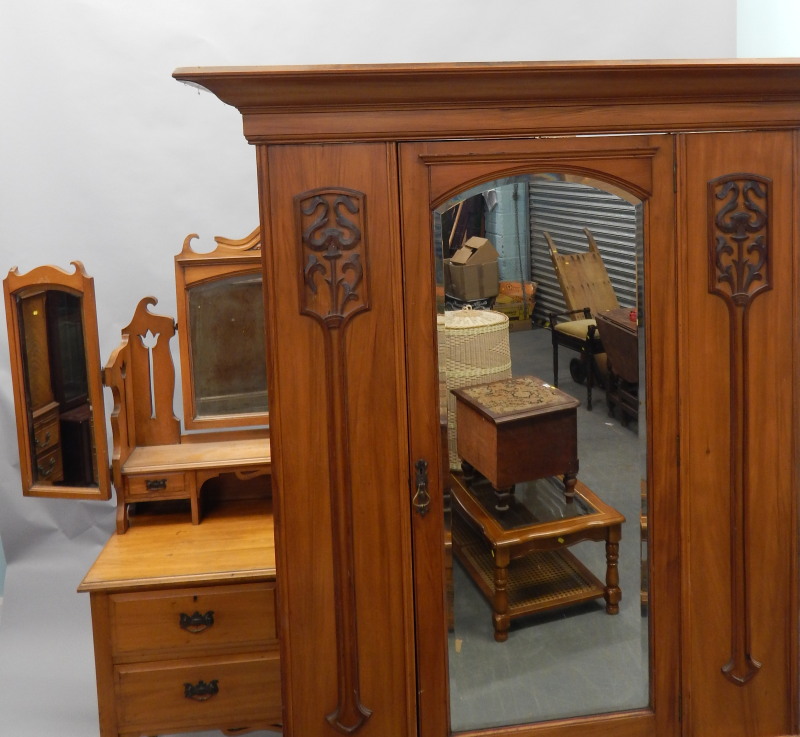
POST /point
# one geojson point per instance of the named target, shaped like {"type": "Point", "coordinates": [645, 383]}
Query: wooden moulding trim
{"type": "Point", "coordinates": [739, 270]}
{"type": "Point", "coordinates": [534, 157]}
{"type": "Point", "coordinates": [419, 86]}
{"type": "Point", "coordinates": [420, 101]}
{"type": "Point", "coordinates": [332, 267]}
{"type": "Point", "coordinates": [527, 121]}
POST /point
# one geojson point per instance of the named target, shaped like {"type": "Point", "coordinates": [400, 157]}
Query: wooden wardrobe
{"type": "Point", "coordinates": [352, 161]}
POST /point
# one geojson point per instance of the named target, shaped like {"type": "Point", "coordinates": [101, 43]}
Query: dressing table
{"type": "Point", "coordinates": [183, 619]}
{"type": "Point", "coordinates": [183, 595]}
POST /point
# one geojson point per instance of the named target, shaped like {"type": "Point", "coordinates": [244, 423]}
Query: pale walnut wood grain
{"type": "Point", "coordinates": [412, 136]}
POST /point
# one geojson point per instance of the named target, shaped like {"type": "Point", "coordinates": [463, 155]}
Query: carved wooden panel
{"type": "Point", "coordinates": [739, 270]}
{"type": "Point", "coordinates": [149, 336]}
{"type": "Point", "coordinates": [333, 290]}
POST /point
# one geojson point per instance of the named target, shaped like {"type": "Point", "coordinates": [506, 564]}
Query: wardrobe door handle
{"type": "Point", "coordinates": [422, 499]}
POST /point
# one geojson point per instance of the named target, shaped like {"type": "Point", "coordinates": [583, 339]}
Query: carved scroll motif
{"type": "Point", "coordinates": [333, 290]}
{"type": "Point", "coordinates": [739, 271]}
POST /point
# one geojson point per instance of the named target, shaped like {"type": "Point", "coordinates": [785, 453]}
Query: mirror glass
{"type": "Point", "coordinates": [227, 354]}
{"type": "Point", "coordinates": [544, 421]}
{"type": "Point", "coordinates": [56, 375]}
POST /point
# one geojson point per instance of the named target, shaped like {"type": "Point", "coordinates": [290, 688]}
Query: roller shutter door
{"type": "Point", "coordinates": [564, 209]}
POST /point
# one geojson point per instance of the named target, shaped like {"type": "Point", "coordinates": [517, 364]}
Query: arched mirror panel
{"type": "Point", "coordinates": [540, 322]}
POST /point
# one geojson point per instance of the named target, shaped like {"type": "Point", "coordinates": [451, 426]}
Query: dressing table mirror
{"type": "Point", "coordinates": [220, 303]}
{"type": "Point", "coordinates": [55, 371]}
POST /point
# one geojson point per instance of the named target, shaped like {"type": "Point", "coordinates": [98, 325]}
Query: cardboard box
{"type": "Point", "coordinates": [472, 271]}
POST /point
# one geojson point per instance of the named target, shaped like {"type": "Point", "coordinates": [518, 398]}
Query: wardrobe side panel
{"type": "Point", "coordinates": [339, 437]}
{"type": "Point", "coordinates": [737, 189]}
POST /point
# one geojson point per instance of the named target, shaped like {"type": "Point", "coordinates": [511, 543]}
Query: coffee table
{"type": "Point", "coordinates": [518, 557]}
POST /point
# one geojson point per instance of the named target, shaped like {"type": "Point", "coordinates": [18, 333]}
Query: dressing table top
{"type": "Point", "coordinates": [235, 543]}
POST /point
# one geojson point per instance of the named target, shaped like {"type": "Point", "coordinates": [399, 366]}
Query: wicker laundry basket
{"type": "Point", "coordinates": [473, 349]}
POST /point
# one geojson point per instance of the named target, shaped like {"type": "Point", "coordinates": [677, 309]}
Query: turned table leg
{"type": "Point", "coordinates": [570, 479]}
{"type": "Point", "coordinates": [612, 593]}
{"type": "Point", "coordinates": [502, 498]}
{"type": "Point", "coordinates": [500, 599]}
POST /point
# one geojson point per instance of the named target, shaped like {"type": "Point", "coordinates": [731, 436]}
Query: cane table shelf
{"type": "Point", "coordinates": [518, 558]}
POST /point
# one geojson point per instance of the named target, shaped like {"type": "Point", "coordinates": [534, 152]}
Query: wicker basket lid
{"type": "Point", "coordinates": [469, 319]}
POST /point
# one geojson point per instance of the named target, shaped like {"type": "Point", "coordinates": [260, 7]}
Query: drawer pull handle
{"type": "Point", "coordinates": [45, 471]}
{"type": "Point", "coordinates": [196, 623]}
{"type": "Point", "coordinates": [42, 443]}
{"type": "Point", "coordinates": [201, 691]}
{"type": "Point", "coordinates": [155, 484]}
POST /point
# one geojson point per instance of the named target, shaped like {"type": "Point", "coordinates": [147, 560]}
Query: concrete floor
{"type": "Point", "coordinates": [577, 660]}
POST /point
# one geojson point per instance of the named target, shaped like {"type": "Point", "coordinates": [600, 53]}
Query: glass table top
{"type": "Point", "coordinates": [533, 502]}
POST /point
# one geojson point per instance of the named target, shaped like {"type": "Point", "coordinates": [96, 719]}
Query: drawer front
{"type": "Point", "coordinates": [48, 467]}
{"type": "Point", "coordinates": [192, 621]}
{"type": "Point", "coordinates": [227, 693]}
{"type": "Point", "coordinates": [45, 435]}
{"type": "Point", "coordinates": [157, 486]}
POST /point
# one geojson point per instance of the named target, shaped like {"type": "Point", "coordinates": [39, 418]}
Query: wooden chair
{"type": "Point", "coordinates": [587, 291]}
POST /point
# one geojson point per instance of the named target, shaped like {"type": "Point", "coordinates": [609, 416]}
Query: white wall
{"type": "Point", "coordinates": [768, 28]}
{"type": "Point", "coordinates": [104, 158]}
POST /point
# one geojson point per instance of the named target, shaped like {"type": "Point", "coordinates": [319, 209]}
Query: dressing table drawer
{"type": "Point", "coordinates": [48, 467]}
{"type": "Point", "coordinates": [47, 445]}
{"type": "Point", "coordinates": [157, 486]}
{"type": "Point", "coordinates": [192, 621]}
{"type": "Point", "coordinates": [46, 434]}
{"type": "Point", "coordinates": [234, 691]}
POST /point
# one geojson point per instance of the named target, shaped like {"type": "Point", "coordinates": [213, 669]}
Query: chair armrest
{"type": "Point", "coordinates": [585, 312]}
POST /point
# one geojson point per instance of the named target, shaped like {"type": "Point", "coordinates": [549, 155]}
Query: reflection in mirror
{"type": "Point", "coordinates": [542, 394]}
{"type": "Point", "coordinates": [56, 375]}
{"type": "Point", "coordinates": [226, 319]}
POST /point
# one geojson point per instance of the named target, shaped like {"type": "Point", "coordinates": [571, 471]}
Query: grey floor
{"type": "Point", "coordinates": [577, 660]}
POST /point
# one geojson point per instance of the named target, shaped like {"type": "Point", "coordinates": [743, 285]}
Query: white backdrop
{"type": "Point", "coordinates": [105, 159]}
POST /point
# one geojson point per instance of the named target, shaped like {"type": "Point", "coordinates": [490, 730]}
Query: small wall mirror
{"type": "Point", "coordinates": [221, 334]}
{"type": "Point", "coordinates": [55, 371]}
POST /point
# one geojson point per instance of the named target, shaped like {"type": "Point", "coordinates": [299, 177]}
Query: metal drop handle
{"type": "Point", "coordinates": [196, 623]}
{"type": "Point", "coordinates": [201, 691]}
{"type": "Point", "coordinates": [422, 499]}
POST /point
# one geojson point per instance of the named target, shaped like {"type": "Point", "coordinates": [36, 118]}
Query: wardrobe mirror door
{"type": "Point", "coordinates": [540, 331]}
{"type": "Point", "coordinates": [52, 329]}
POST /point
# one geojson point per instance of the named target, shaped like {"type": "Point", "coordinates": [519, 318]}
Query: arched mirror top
{"type": "Point", "coordinates": [55, 371]}
{"type": "Point", "coordinates": [623, 190]}
{"type": "Point", "coordinates": [622, 164]}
